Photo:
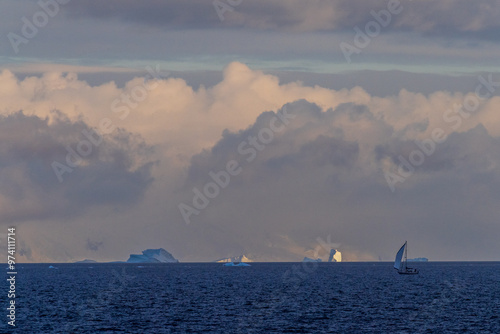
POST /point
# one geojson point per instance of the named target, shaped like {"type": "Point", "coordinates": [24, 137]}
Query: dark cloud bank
{"type": "Point", "coordinates": [311, 181]}
{"type": "Point", "coordinates": [116, 172]}
{"type": "Point", "coordinates": [459, 18]}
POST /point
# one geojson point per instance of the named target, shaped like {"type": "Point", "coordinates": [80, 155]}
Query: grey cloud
{"type": "Point", "coordinates": [227, 148]}
{"type": "Point", "coordinates": [93, 245]}
{"type": "Point", "coordinates": [25, 251]}
{"type": "Point", "coordinates": [116, 172]}
{"type": "Point", "coordinates": [462, 154]}
{"type": "Point", "coordinates": [319, 152]}
{"type": "Point", "coordinates": [457, 18]}
{"type": "Point", "coordinates": [355, 112]}
{"type": "Point", "coordinates": [310, 181]}
{"type": "Point", "coordinates": [194, 14]}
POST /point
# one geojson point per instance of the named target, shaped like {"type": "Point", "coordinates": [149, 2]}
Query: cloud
{"type": "Point", "coordinates": [469, 20]}
{"type": "Point", "coordinates": [320, 174]}
{"type": "Point", "coordinates": [276, 34]}
{"type": "Point", "coordinates": [290, 149]}
{"type": "Point", "coordinates": [112, 174]}
{"type": "Point", "coordinates": [315, 178]}
{"type": "Point", "coordinates": [93, 245]}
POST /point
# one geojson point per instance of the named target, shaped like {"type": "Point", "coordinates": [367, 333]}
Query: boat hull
{"type": "Point", "coordinates": [408, 271]}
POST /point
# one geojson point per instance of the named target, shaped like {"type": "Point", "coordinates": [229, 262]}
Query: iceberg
{"type": "Point", "coordinates": [335, 256]}
{"type": "Point", "coordinates": [86, 261]}
{"type": "Point", "coordinates": [241, 258]}
{"type": "Point", "coordinates": [308, 259]}
{"type": "Point", "coordinates": [418, 259]}
{"type": "Point", "coordinates": [52, 267]}
{"type": "Point", "coordinates": [231, 264]}
{"type": "Point", "coordinates": [152, 256]}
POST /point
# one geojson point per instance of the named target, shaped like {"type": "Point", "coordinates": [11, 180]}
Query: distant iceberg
{"type": "Point", "coordinates": [52, 267]}
{"type": "Point", "coordinates": [241, 258]}
{"type": "Point", "coordinates": [419, 259]}
{"type": "Point", "coordinates": [335, 256]}
{"type": "Point", "coordinates": [231, 264]}
{"type": "Point", "coordinates": [308, 259]}
{"type": "Point", "coordinates": [152, 256]}
{"type": "Point", "coordinates": [86, 261]}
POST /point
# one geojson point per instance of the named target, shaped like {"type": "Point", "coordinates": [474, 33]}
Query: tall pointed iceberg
{"type": "Point", "coordinates": [335, 256]}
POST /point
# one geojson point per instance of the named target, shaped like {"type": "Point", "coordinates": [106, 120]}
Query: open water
{"type": "Point", "coordinates": [264, 298]}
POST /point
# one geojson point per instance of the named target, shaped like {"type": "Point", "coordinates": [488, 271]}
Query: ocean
{"type": "Point", "coordinates": [446, 297]}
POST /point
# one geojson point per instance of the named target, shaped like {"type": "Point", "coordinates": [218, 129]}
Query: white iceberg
{"type": "Point", "coordinates": [241, 258]}
{"type": "Point", "coordinates": [335, 256]}
{"type": "Point", "coordinates": [152, 256]}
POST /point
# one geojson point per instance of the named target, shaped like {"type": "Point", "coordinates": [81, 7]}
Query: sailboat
{"type": "Point", "coordinates": [401, 264]}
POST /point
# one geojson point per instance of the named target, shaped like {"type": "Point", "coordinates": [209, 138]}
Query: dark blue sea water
{"type": "Point", "coordinates": [263, 298]}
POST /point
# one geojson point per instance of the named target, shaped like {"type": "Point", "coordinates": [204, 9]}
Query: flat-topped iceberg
{"type": "Point", "coordinates": [86, 261]}
{"type": "Point", "coordinates": [152, 256]}
{"type": "Point", "coordinates": [232, 264]}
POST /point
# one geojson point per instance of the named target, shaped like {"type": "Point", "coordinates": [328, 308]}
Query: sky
{"type": "Point", "coordinates": [277, 129]}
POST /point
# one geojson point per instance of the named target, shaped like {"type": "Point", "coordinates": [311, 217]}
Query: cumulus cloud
{"type": "Point", "coordinates": [312, 180]}
{"type": "Point", "coordinates": [113, 174]}
{"type": "Point", "coordinates": [320, 173]}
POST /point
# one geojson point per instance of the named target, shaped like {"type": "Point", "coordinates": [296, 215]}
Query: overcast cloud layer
{"type": "Point", "coordinates": [426, 17]}
{"type": "Point", "coordinates": [423, 36]}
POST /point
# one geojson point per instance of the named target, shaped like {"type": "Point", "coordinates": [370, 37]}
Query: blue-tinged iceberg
{"type": "Point", "coordinates": [419, 259]}
{"type": "Point", "coordinates": [86, 261]}
{"type": "Point", "coordinates": [232, 264]}
{"type": "Point", "coordinates": [308, 259]}
{"type": "Point", "coordinates": [152, 256]}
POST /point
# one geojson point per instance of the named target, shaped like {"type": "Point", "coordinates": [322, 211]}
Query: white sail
{"type": "Point", "coordinates": [399, 257]}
